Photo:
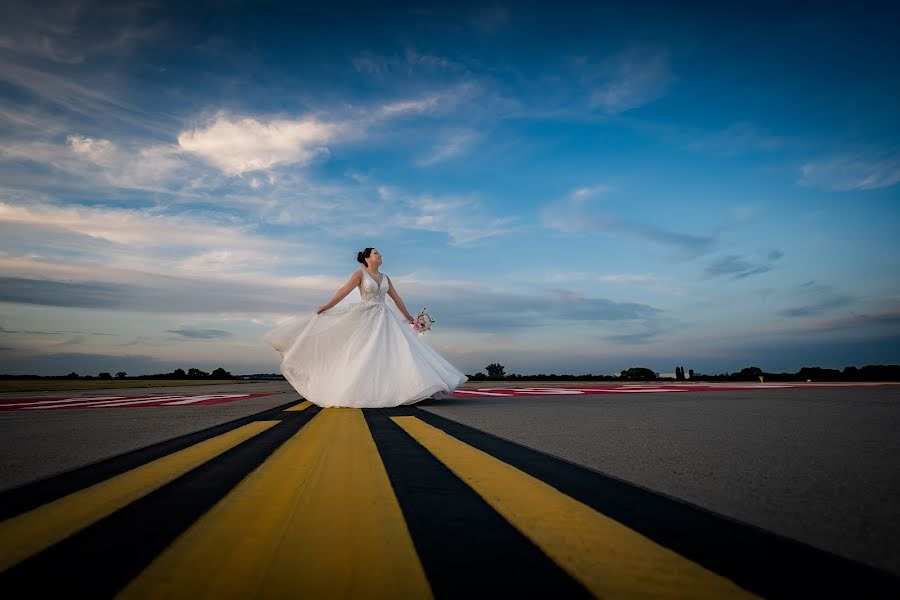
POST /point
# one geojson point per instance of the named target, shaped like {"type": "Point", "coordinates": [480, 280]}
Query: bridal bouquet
{"type": "Point", "coordinates": [422, 322]}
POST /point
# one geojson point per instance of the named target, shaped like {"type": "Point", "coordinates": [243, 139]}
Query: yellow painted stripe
{"type": "Point", "coordinates": [317, 519]}
{"type": "Point", "coordinates": [609, 559]}
{"type": "Point", "coordinates": [302, 406]}
{"type": "Point", "coordinates": [29, 533]}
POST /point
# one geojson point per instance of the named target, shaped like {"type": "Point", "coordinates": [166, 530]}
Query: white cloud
{"type": "Point", "coordinates": [98, 151]}
{"type": "Point", "coordinates": [238, 145]}
{"type": "Point", "coordinates": [183, 243]}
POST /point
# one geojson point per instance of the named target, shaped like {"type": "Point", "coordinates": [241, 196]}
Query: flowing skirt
{"type": "Point", "coordinates": [362, 355]}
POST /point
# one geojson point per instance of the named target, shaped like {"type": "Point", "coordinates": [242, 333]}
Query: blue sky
{"type": "Point", "coordinates": [566, 187]}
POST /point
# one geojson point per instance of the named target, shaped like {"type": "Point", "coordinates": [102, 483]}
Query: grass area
{"type": "Point", "coordinates": [50, 385]}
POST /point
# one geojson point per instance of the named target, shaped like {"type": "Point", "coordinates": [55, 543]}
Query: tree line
{"type": "Point", "coordinates": [497, 372]}
{"type": "Point", "coordinates": [219, 373]}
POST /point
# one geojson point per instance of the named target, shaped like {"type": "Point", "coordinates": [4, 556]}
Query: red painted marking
{"type": "Point", "coordinates": [491, 392]}
{"type": "Point", "coordinates": [111, 401]}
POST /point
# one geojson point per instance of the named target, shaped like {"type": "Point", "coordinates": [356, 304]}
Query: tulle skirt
{"type": "Point", "coordinates": [363, 355]}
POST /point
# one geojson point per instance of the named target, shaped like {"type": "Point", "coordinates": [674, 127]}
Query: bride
{"type": "Point", "coordinates": [363, 354]}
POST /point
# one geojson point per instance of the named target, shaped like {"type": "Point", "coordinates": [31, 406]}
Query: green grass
{"type": "Point", "coordinates": [50, 385]}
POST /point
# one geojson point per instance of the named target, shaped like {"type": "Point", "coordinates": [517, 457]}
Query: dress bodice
{"type": "Point", "coordinates": [370, 290]}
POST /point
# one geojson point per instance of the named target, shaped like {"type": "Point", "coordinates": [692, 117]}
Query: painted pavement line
{"type": "Point", "coordinates": [608, 558]}
{"type": "Point", "coordinates": [318, 516]}
{"type": "Point", "coordinates": [26, 534]}
{"type": "Point", "coordinates": [302, 406]}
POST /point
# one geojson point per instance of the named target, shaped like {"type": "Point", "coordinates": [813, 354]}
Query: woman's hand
{"type": "Point", "coordinates": [322, 308]}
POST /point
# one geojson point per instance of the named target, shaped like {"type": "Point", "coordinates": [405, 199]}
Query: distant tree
{"type": "Point", "coordinates": [679, 373]}
{"type": "Point", "coordinates": [691, 373]}
{"type": "Point", "coordinates": [104, 376]}
{"type": "Point", "coordinates": [639, 374]}
{"type": "Point", "coordinates": [72, 375]}
{"type": "Point", "coordinates": [120, 375]}
{"type": "Point", "coordinates": [819, 374]}
{"type": "Point", "coordinates": [179, 373]}
{"type": "Point", "coordinates": [495, 370]}
{"type": "Point", "coordinates": [748, 374]}
{"type": "Point", "coordinates": [197, 373]}
{"type": "Point", "coordinates": [850, 373]}
{"type": "Point", "coordinates": [880, 373]}
{"type": "Point", "coordinates": [221, 373]}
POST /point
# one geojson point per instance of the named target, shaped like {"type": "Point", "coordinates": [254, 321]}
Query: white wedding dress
{"type": "Point", "coordinates": [362, 355]}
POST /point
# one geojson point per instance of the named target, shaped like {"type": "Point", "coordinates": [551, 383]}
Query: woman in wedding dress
{"type": "Point", "coordinates": [364, 354]}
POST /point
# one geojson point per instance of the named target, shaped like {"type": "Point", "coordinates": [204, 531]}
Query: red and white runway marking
{"type": "Point", "coordinates": [62, 402]}
{"type": "Point", "coordinates": [629, 389]}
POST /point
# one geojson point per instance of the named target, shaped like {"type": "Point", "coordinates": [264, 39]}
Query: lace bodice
{"type": "Point", "coordinates": [369, 289]}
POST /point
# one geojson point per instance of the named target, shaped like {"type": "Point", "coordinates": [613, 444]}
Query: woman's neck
{"type": "Point", "coordinates": [371, 270]}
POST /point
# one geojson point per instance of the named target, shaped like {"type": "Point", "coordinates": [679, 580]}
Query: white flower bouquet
{"type": "Point", "coordinates": [422, 322]}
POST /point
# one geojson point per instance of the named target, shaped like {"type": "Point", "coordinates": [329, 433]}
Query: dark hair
{"type": "Point", "coordinates": [362, 256]}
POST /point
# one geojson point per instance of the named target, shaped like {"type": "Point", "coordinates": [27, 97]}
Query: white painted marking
{"type": "Point", "coordinates": [81, 399]}
{"type": "Point", "coordinates": [479, 393]}
{"type": "Point", "coordinates": [104, 403]}
{"type": "Point", "coordinates": [546, 391]}
{"type": "Point", "coordinates": [200, 398]}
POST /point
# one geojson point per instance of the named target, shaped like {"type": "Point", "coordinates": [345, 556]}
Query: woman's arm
{"type": "Point", "coordinates": [392, 292]}
{"type": "Point", "coordinates": [339, 295]}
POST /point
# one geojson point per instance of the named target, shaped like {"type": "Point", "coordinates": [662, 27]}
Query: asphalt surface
{"type": "Point", "coordinates": [37, 444]}
{"type": "Point", "coordinates": [816, 465]}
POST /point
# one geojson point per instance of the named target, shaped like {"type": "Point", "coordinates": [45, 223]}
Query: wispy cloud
{"type": "Point", "coordinates": [853, 171]}
{"type": "Point", "coordinates": [58, 332]}
{"type": "Point", "coordinates": [76, 32]}
{"type": "Point", "coordinates": [818, 298]}
{"type": "Point", "coordinates": [175, 236]}
{"type": "Point", "coordinates": [452, 145]}
{"type": "Point", "coordinates": [461, 218]}
{"type": "Point", "coordinates": [656, 283]}
{"type": "Point", "coordinates": [737, 138]}
{"type": "Point", "coordinates": [203, 334]}
{"type": "Point", "coordinates": [392, 109]}
{"type": "Point", "coordinates": [629, 79]}
{"type": "Point", "coordinates": [885, 322]}
{"type": "Point", "coordinates": [571, 215]}
{"type": "Point", "coordinates": [75, 95]}
{"type": "Point", "coordinates": [736, 266]}
{"type": "Point", "coordinates": [411, 63]}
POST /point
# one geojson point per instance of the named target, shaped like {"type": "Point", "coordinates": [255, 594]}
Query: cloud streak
{"type": "Point", "coordinates": [853, 171]}
{"type": "Point", "coordinates": [572, 215]}
{"type": "Point", "coordinates": [736, 266]}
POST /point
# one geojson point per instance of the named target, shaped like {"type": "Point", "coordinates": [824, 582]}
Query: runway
{"type": "Point", "coordinates": [459, 497]}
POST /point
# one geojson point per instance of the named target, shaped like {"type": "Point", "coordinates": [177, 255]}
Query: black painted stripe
{"type": "Point", "coordinates": [20, 499]}
{"type": "Point", "coordinates": [467, 549]}
{"type": "Point", "coordinates": [101, 559]}
{"type": "Point", "coordinates": [763, 562]}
